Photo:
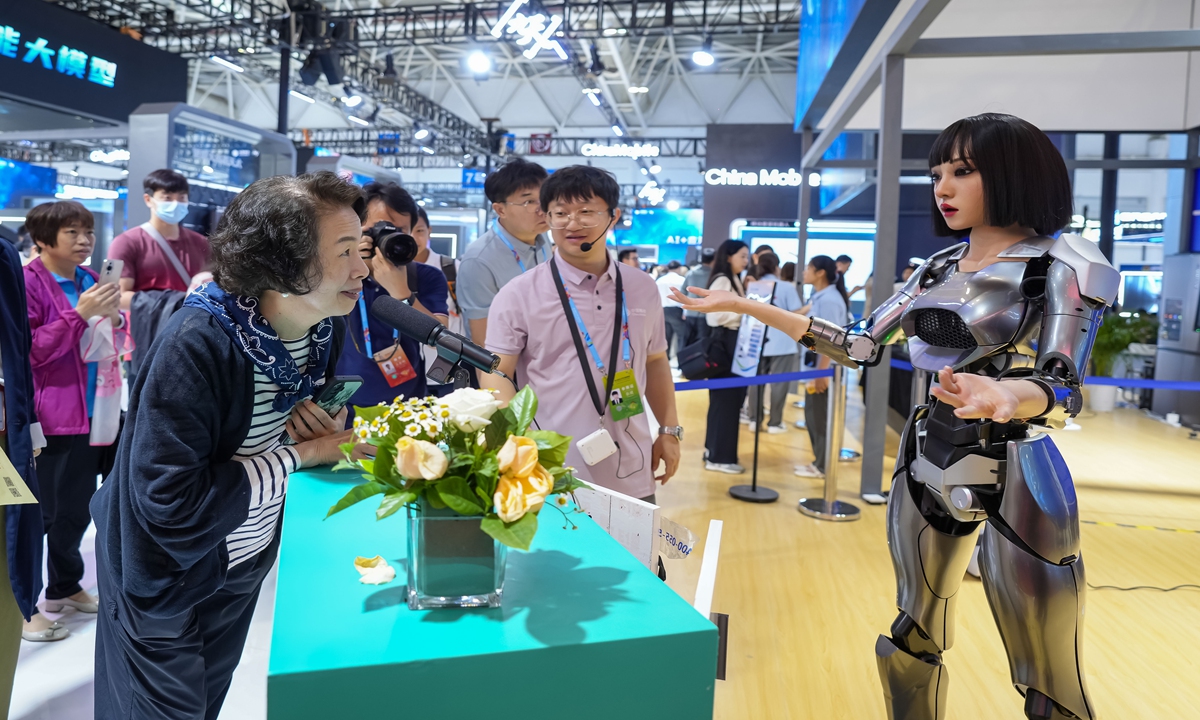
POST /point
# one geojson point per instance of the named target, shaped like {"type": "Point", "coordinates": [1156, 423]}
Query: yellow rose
{"type": "Point", "coordinates": [511, 505]}
{"type": "Point", "coordinates": [516, 496]}
{"type": "Point", "coordinates": [518, 457]}
{"type": "Point", "coordinates": [417, 459]}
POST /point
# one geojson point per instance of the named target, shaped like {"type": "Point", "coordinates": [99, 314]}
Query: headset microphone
{"type": "Point", "coordinates": [587, 246]}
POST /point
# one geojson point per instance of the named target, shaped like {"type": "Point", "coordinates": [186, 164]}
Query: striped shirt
{"type": "Point", "coordinates": [267, 463]}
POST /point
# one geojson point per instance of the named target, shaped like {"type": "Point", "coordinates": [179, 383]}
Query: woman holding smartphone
{"type": "Point", "coordinates": [65, 305]}
{"type": "Point", "coordinates": [188, 522]}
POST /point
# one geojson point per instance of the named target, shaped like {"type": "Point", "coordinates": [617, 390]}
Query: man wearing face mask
{"type": "Point", "coordinates": [162, 259]}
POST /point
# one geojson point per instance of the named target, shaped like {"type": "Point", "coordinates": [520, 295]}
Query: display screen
{"type": "Point", "coordinates": [1140, 291]}
{"type": "Point", "coordinates": [214, 158]}
{"type": "Point", "coordinates": [672, 231]}
{"type": "Point", "coordinates": [18, 179]}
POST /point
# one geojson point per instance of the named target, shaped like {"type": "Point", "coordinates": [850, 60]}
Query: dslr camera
{"type": "Point", "coordinates": [396, 247]}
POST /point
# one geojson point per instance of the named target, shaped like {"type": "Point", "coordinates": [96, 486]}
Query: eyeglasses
{"type": "Point", "coordinates": [584, 218]}
{"type": "Point", "coordinates": [537, 205]}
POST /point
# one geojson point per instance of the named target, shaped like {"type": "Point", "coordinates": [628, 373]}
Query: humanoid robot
{"type": "Point", "coordinates": [1026, 309]}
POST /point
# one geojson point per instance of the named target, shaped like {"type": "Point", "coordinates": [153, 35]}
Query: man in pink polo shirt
{"type": "Point", "coordinates": [147, 265]}
{"type": "Point", "coordinates": [588, 335]}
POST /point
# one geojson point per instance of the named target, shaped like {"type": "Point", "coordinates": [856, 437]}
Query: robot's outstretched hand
{"type": "Point", "coordinates": [977, 396]}
{"type": "Point", "coordinates": [708, 300]}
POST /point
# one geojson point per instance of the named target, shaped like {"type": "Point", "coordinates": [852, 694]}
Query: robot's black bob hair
{"type": "Point", "coordinates": [1025, 180]}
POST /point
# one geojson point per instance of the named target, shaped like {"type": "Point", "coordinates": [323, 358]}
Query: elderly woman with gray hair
{"type": "Point", "coordinates": [188, 521]}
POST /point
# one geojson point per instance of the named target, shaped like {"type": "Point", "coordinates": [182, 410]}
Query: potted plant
{"type": "Point", "coordinates": [472, 477]}
{"type": "Point", "coordinates": [1115, 334]}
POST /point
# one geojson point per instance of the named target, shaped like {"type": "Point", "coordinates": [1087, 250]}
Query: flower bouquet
{"type": "Point", "coordinates": [472, 476]}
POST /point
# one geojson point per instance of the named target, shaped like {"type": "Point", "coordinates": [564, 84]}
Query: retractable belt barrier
{"type": "Point", "coordinates": [732, 382]}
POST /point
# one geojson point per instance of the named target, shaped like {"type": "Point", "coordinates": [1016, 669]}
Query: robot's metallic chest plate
{"type": "Point", "coordinates": [965, 316]}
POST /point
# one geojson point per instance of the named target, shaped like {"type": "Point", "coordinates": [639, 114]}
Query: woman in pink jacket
{"type": "Point", "coordinates": [76, 325]}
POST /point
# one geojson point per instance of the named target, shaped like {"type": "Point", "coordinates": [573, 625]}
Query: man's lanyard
{"type": "Point", "coordinates": [366, 328]}
{"type": "Point", "coordinates": [620, 337]}
{"type": "Point", "coordinates": [500, 233]}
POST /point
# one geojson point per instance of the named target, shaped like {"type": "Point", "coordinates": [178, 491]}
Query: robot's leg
{"type": "Point", "coordinates": [929, 568]}
{"type": "Point", "coordinates": [1034, 579]}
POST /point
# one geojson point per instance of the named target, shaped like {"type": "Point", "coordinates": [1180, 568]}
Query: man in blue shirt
{"type": "Point", "coordinates": [390, 364]}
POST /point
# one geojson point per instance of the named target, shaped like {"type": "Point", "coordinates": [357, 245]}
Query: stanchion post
{"type": "Point", "coordinates": [829, 507]}
{"type": "Point", "coordinates": [752, 492]}
{"type": "Point", "coordinates": [920, 387]}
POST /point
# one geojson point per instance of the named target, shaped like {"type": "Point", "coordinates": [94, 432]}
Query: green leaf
{"type": "Point", "coordinates": [496, 433]}
{"type": "Point", "coordinates": [356, 495]}
{"type": "Point", "coordinates": [487, 475]}
{"type": "Point", "coordinates": [524, 406]}
{"type": "Point", "coordinates": [368, 465]}
{"type": "Point", "coordinates": [517, 535]}
{"type": "Point", "coordinates": [393, 502]}
{"type": "Point", "coordinates": [552, 447]}
{"type": "Point", "coordinates": [370, 413]}
{"type": "Point", "coordinates": [456, 493]}
{"type": "Point", "coordinates": [345, 465]}
{"type": "Point", "coordinates": [487, 500]}
{"type": "Point", "coordinates": [434, 500]}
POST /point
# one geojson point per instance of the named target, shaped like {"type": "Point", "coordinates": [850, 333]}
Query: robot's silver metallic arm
{"type": "Point", "coordinates": [862, 343]}
{"type": "Point", "coordinates": [1080, 283]}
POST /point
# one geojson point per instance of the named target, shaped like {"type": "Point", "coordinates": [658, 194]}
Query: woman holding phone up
{"type": "Point", "coordinates": [76, 394]}
{"type": "Point", "coordinates": [188, 522]}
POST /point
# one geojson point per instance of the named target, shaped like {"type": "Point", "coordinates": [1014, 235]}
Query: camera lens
{"type": "Point", "coordinates": [397, 248]}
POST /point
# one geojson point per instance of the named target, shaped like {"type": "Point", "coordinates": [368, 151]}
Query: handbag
{"type": "Point", "coordinates": [709, 357]}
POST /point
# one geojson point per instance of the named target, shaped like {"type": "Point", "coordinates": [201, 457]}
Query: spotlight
{"type": "Point", "coordinates": [596, 67]}
{"type": "Point", "coordinates": [479, 63]}
{"type": "Point", "coordinates": [208, 169]}
{"type": "Point", "coordinates": [226, 64]}
{"type": "Point", "coordinates": [672, 205]}
{"type": "Point", "coordinates": [389, 71]}
{"type": "Point", "coordinates": [427, 150]}
{"type": "Point", "coordinates": [655, 169]}
{"type": "Point", "coordinates": [618, 131]}
{"type": "Point", "coordinates": [301, 96]}
{"type": "Point", "coordinates": [358, 120]}
{"type": "Point", "coordinates": [75, 171]}
{"type": "Point", "coordinates": [352, 101]}
{"type": "Point", "coordinates": [593, 96]}
{"type": "Point", "coordinates": [420, 133]}
{"type": "Point", "coordinates": [704, 57]}
{"type": "Point", "coordinates": [310, 70]}
{"type": "Point", "coordinates": [645, 171]}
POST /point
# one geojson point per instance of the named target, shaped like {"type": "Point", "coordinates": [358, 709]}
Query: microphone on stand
{"type": "Point", "coordinates": [452, 348]}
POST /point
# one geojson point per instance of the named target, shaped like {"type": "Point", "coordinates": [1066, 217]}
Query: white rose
{"type": "Point", "coordinates": [470, 409]}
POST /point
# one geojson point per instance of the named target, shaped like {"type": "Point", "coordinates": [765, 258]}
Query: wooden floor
{"type": "Point", "coordinates": [807, 598]}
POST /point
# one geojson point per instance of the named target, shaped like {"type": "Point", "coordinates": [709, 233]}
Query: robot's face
{"type": "Point", "coordinates": [958, 190]}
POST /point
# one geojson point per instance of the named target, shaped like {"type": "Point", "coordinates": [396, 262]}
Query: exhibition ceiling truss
{"type": "Point", "coordinates": [633, 60]}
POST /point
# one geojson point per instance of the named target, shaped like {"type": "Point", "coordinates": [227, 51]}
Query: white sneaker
{"type": "Point", "coordinates": [808, 471]}
{"type": "Point", "coordinates": [745, 420]}
{"type": "Point", "coordinates": [800, 425]}
{"type": "Point", "coordinates": [776, 429]}
{"type": "Point", "coordinates": [798, 404]}
{"type": "Point", "coordinates": [727, 468]}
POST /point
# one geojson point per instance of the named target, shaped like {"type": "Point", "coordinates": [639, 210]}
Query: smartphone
{"type": "Point", "coordinates": [110, 271]}
{"type": "Point", "coordinates": [331, 397]}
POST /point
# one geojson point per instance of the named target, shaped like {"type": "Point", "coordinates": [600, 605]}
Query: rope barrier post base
{"type": "Point", "coordinates": [752, 492]}
{"type": "Point", "coordinates": [829, 507]}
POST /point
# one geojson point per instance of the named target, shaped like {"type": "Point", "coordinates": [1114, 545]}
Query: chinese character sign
{"type": "Point", "coordinates": [38, 51]}
{"type": "Point", "coordinates": [537, 31]}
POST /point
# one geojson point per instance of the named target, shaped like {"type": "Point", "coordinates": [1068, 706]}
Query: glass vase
{"type": "Point", "coordinates": [452, 562]}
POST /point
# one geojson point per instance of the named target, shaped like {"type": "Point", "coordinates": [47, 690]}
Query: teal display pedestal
{"type": "Point", "coordinates": [585, 632]}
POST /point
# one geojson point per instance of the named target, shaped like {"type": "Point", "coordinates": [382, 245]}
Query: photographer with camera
{"type": "Point", "coordinates": [390, 364]}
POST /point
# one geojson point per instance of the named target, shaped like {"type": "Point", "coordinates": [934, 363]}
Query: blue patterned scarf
{"type": "Point", "coordinates": [241, 320]}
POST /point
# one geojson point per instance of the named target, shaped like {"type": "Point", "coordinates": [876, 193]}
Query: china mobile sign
{"type": "Point", "coordinates": [38, 51]}
{"type": "Point", "coordinates": [635, 151]}
{"type": "Point", "coordinates": [770, 178]}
